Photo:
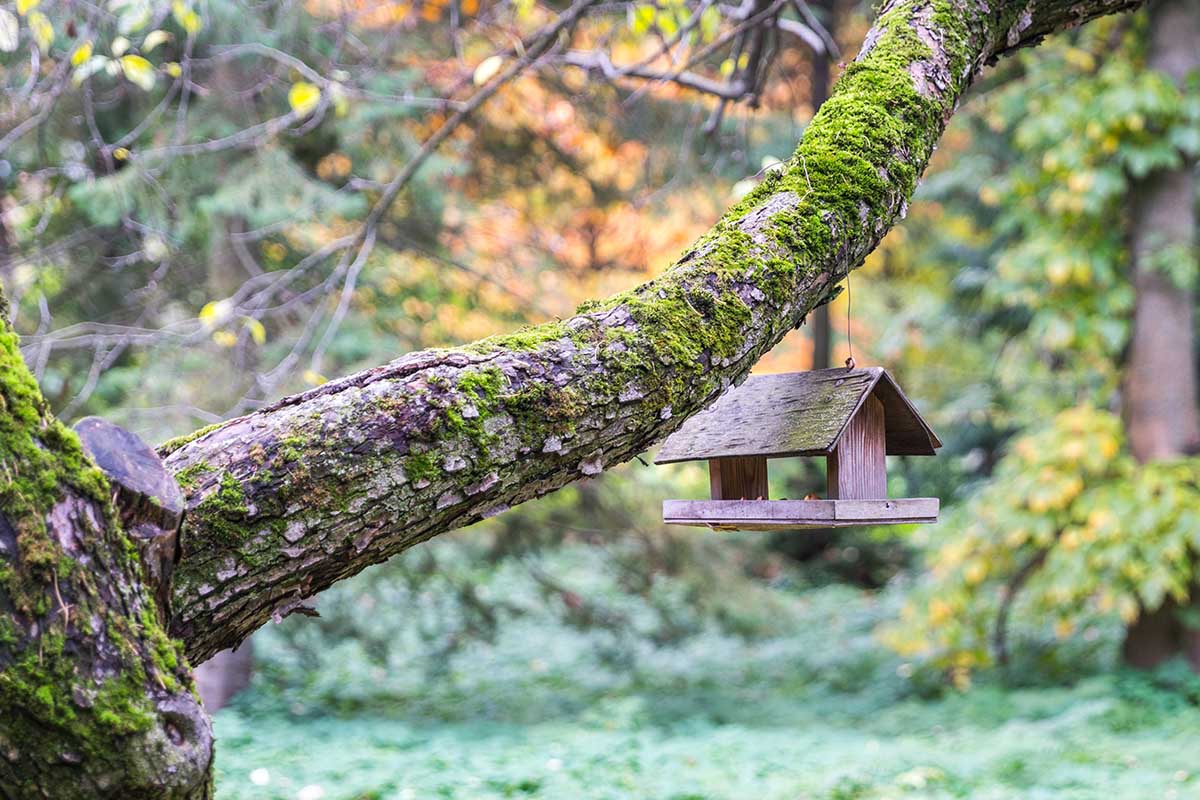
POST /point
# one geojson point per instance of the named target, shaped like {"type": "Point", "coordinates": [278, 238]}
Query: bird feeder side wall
{"type": "Point", "coordinates": [857, 467]}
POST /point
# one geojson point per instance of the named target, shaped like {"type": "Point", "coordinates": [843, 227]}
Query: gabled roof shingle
{"type": "Point", "coordinates": [797, 414]}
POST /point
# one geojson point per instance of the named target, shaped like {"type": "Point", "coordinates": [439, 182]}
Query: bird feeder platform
{"type": "Point", "coordinates": [852, 418]}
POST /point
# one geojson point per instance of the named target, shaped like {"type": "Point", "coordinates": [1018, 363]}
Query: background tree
{"type": "Point", "coordinates": [1067, 529]}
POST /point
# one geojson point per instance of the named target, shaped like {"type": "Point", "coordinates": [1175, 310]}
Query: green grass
{"type": "Point", "coordinates": [1031, 744]}
{"type": "Point", "coordinates": [822, 712]}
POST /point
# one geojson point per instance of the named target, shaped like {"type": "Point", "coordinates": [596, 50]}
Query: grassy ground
{"type": "Point", "coordinates": [1043, 743]}
{"type": "Point", "coordinates": [822, 713]}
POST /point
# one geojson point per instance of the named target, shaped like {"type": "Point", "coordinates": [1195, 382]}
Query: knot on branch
{"type": "Point", "coordinates": [147, 498]}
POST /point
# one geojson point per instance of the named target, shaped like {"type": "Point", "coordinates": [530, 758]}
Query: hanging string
{"type": "Point", "coordinates": [850, 362]}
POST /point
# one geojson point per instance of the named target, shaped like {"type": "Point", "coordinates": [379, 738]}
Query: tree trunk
{"type": "Point", "coordinates": [1162, 415]}
{"type": "Point", "coordinates": [95, 701]}
{"type": "Point", "coordinates": [820, 81]}
{"type": "Point", "coordinates": [224, 675]}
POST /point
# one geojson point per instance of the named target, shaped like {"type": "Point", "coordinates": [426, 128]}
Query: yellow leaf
{"type": "Point", "coordinates": [224, 338]}
{"type": "Point", "coordinates": [82, 53]}
{"type": "Point", "coordinates": [523, 8]}
{"type": "Point", "coordinates": [257, 332]}
{"type": "Point", "coordinates": [303, 97]}
{"type": "Point", "coordinates": [25, 6]}
{"type": "Point", "coordinates": [173, 69]}
{"type": "Point", "coordinates": [187, 17]}
{"type": "Point", "coordinates": [154, 39]}
{"type": "Point", "coordinates": [337, 95]}
{"type": "Point", "coordinates": [214, 313]}
{"type": "Point", "coordinates": [121, 153]}
{"type": "Point", "coordinates": [487, 69]}
{"type": "Point", "coordinates": [89, 68]}
{"type": "Point", "coordinates": [939, 611]}
{"type": "Point", "coordinates": [139, 71]}
{"type": "Point", "coordinates": [313, 377]}
{"type": "Point", "coordinates": [10, 28]}
{"type": "Point", "coordinates": [43, 31]}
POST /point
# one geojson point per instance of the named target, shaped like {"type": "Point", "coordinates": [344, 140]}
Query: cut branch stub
{"type": "Point", "coordinates": [146, 495]}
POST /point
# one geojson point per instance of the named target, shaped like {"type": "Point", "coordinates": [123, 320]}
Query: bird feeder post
{"type": "Point", "coordinates": [738, 478]}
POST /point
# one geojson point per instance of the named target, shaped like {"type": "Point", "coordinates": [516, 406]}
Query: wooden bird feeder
{"type": "Point", "coordinates": [854, 418]}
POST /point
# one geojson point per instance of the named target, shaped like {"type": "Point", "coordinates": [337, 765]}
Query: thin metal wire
{"type": "Point", "coordinates": [850, 362]}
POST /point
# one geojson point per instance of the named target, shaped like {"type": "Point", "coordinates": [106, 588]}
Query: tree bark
{"type": "Point", "coordinates": [224, 675]}
{"type": "Point", "coordinates": [95, 701]}
{"type": "Point", "coordinates": [288, 500]}
{"type": "Point", "coordinates": [1162, 414]}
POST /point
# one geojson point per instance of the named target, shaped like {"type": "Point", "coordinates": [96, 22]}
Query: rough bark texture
{"type": "Point", "coordinates": [288, 500]}
{"type": "Point", "coordinates": [95, 699]}
{"type": "Point", "coordinates": [1162, 413]}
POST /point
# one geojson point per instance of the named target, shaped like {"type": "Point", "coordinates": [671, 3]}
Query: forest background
{"type": "Point", "coordinates": [182, 195]}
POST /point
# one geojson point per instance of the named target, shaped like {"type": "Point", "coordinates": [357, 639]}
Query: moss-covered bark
{"type": "Point", "coordinates": [288, 500]}
{"type": "Point", "coordinates": [95, 699]}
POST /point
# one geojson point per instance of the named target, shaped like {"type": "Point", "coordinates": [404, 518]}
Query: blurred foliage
{"type": "Point", "coordinates": [1064, 525]}
{"type": "Point", "coordinates": [1070, 529]}
{"type": "Point", "coordinates": [819, 710]}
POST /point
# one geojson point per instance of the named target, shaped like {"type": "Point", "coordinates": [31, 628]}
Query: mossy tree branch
{"type": "Point", "coordinates": [290, 499]}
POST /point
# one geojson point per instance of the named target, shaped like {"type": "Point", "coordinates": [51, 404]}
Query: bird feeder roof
{"type": "Point", "coordinates": [798, 414]}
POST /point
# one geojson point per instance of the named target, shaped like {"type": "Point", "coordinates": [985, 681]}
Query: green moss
{"type": "Point", "coordinates": [43, 458]}
{"type": "Point", "coordinates": [188, 476]}
{"type": "Point", "coordinates": [223, 512]}
{"type": "Point", "coordinates": [43, 677]}
{"type": "Point", "coordinates": [171, 445]}
{"type": "Point", "coordinates": [291, 448]}
{"type": "Point", "coordinates": [484, 384]}
{"type": "Point", "coordinates": [421, 467]}
{"type": "Point", "coordinates": [525, 339]}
